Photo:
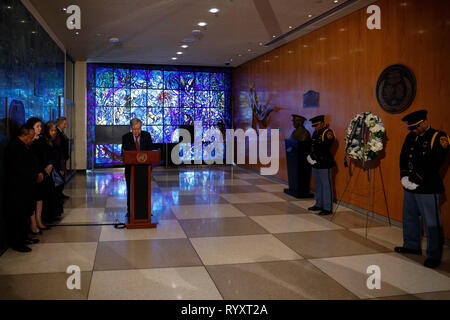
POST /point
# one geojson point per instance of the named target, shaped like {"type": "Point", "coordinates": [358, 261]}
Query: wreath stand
{"type": "Point", "coordinates": [370, 175]}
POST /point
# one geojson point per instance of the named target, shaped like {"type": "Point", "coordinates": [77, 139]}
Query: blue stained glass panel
{"type": "Point", "coordinates": [155, 79]}
{"type": "Point", "coordinates": [138, 79]}
{"type": "Point", "coordinates": [217, 99]}
{"type": "Point", "coordinates": [155, 116]}
{"type": "Point", "coordinates": [117, 149]}
{"type": "Point", "coordinates": [171, 80]}
{"type": "Point", "coordinates": [139, 113]}
{"type": "Point", "coordinates": [187, 116]}
{"type": "Point", "coordinates": [104, 116]}
{"type": "Point", "coordinates": [104, 97]}
{"type": "Point", "coordinates": [169, 135]}
{"type": "Point", "coordinates": [187, 99]}
{"type": "Point", "coordinates": [171, 98]}
{"type": "Point", "coordinates": [171, 116]}
{"type": "Point", "coordinates": [105, 77]}
{"type": "Point", "coordinates": [216, 114]}
{"type": "Point", "coordinates": [155, 98]}
{"type": "Point", "coordinates": [157, 133]}
{"type": "Point", "coordinates": [122, 78]}
{"type": "Point", "coordinates": [102, 156]}
{"type": "Point", "coordinates": [202, 81]}
{"type": "Point", "coordinates": [202, 99]}
{"type": "Point", "coordinates": [121, 116]}
{"type": "Point", "coordinates": [187, 81]}
{"type": "Point", "coordinates": [122, 97]}
{"type": "Point", "coordinates": [138, 97]}
{"type": "Point", "coordinates": [217, 81]}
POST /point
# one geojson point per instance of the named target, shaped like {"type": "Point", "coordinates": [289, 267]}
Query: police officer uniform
{"type": "Point", "coordinates": [322, 162]}
{"type": "Point", "coordinates": [421, 157]}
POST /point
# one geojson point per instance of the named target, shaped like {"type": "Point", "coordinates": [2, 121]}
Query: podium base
{"type": "Point", "coordinates": [141, 225]}
{"type": "Point", "coordinates": [298, 194]}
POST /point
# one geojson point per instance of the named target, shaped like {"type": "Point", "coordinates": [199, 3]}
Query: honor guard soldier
{"type": "Point", "coordinates": [322, 162]}
{"type": "Point", "coordinates": [423, 153]}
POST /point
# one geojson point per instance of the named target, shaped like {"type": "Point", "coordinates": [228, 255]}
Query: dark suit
{"type": "Point", "coordinates": [21, 175]}
{"type": "Point", "coordinates": [129, 144]}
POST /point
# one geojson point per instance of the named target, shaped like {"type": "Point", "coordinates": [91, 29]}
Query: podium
{"type": "Point", "coordinates": [299, 170]}
{"type": "Point", "coordinates": [141, 187]}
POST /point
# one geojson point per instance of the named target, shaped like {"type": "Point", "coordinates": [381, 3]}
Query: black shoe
{"type": "Point", "coordinates": [21, 248]}
{"type": "Point", "coordinates": [325, 213]}
{"type": "Point", "coordinates": [31, 241]}
{"type": "Point", "coordinates": [36, 233]}
{"type": "Point", "coordinates": [432, 263]}
{"type": "Point", "coordinates": [314, 208]}
{"type": "Point", "coordinates": [406, 250]}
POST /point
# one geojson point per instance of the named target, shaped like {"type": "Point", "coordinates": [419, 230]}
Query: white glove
{"type": "Point", "coordinates": [310, 160]}
{"type": "Point", "coordinates": [408, 184]}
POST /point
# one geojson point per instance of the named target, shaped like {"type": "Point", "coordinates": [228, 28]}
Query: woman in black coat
{"type": "Point", "coordinates": [40, 150]}
{"type": "Point", "coordinates": [53, 207]}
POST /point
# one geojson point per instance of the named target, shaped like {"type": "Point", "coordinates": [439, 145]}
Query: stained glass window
{"type": "Point", "coordinates": [163, 98]}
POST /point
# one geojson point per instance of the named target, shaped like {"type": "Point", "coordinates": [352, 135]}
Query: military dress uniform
{"type": "Point", "coordinates": [420, 160]}
{"type": "Point", "coordinates": [322, 164]}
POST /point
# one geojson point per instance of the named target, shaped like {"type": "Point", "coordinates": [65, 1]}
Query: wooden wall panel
{"type": "Point", "coordinates": [343, 61]}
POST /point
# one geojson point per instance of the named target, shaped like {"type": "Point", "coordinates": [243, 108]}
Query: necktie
{"type": "Point", "coordinates": [137, 143]}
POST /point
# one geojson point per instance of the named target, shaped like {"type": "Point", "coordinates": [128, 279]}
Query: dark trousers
{"type": "Point", "coordinates": [17, 226]}
{"type": "Point", "coordinates": [427, 206]}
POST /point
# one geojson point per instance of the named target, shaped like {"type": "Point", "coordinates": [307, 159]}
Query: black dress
{"type": "Point", "coordinates": [40, 150]}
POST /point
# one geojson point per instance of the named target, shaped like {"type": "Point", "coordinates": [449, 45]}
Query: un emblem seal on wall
{"type": "Point", "coordinates": [396, 88]}
{"type": "Point", "coordinates": [141, 157]}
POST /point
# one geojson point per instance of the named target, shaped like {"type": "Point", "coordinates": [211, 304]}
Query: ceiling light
{"type": "Point", "coordinates": [231, 60]}
{"type": "Point", "coordinates": [185, 46]}
{"type": "Point", "coordinates": [249, 50]}
{"type": "Point", "coordinates": [239, 55]}
{"type": "Point", "coordinates": [179, 52]}
{"type": "Point", "coordinates": [189, 40]}
{"type": "Point", "coordinates": [309, 15]}
{"type": "Point", "coordinates": [260, 43]}
{"type": "Point", "coordinates": [196, 32]}
{"type": "Point", "coordinates": [22, 21]}
{"type": "Point", "coordinates": [336, 1]}
{"type": "Point", "coordinates": [174, 58]}
{"type": "Point", "coordinates": [214, 10]}
{"type": "Point", "coordinates": [114, 40]}
{"type": "Point", "coordinates": [64, 9]}
{"type": "Point", "coordinates": [202, 24]}
{"type": "Point", "coordinates": [290, 27]}
{"type": "Point", "coordinates": [33, 32]}
{"type": "Point", "coordinates": [274, 36]}
{"type": "Point", "coordinates": [77, 32]}
{"type": "Point", "coordinates": [8, 7]}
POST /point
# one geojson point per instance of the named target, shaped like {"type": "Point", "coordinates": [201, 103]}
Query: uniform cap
{"type": "Point", "coordinates": [415, 118]}
{"type": "Point", "coordinates": [317, 120]}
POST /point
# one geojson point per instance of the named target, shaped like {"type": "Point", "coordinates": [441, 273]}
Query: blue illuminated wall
{"type": "Point", "coordinates": [31, 75]}
{"type": "Point", "coordinates": [163, 97]}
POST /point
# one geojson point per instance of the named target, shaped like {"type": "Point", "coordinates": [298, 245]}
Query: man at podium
{"type": "Point", "coordinates": [136, 140]}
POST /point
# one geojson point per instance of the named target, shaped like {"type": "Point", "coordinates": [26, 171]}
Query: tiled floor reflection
{"type": "Point", "coordinates": [223, 233]}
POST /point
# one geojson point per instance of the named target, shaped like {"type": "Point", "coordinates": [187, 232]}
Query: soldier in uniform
{"type": "Point", "coordinates": [300, 133]}
{"type": "Point", "coordinates": [423, 153]}
{"type": "Point", "coordinates": [322, 162]}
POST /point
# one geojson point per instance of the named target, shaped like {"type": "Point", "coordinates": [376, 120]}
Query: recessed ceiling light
{"type": "Point", "coordinates": [336, 1]}
{"type": "Point", "coordinates": [260, 43]}
{"type": "Point", "coordinates": [239, 55]}
{"type": "Point", "coordinates": [202, 24]}
{"type": "Point", "coordinates": [114, 40]}
{"type": "Point", "coordinates": [249, 50]}
{"type": "Point", "coordinates": [174, 58]}
{"type": "Point", "coordinates": [179, 53]}
{"type": "Point", "coordinates": [185, 46]}
{"type": "Point", "coordinates": [231, 60]}
{"type": "Point", "coordinates": [290, 27]}
{"type": "Point", "coordinates": [33, 32]}
{"type": "Point", "coordinates": [77, 32]}
{"type": "Point", "coordinates": [195, 32]}
{"type": "Point", "coordinates": [274, 36]}
{"type": "Point", "coordinates": [64, 9]}
{"type": "Point", "coordinates": [214, 10]}
{"type": "Point", "coordinates": [309, 15]}
{"type": "Point", "coordinates": [188, 40]}
{"type": "Point", "coordinates": [8, 7]}
{"type": "Point", "coordinates": [22, 21]}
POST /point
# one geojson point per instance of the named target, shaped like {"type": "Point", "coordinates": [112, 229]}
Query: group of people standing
{"type": "Point", "coordinates": [36, 169]}
{"type": "Point", "coordinates": [423, 154]}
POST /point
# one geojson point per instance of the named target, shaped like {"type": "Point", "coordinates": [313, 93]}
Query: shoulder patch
{"type": "Point", "coordinates": [444, 140]}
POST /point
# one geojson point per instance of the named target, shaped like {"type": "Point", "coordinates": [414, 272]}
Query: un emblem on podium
{"type": "Point", "coordinates": [141, 157]}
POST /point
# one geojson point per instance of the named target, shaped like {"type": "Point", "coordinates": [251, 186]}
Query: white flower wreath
{"type": "Point", "coordinates": [359, 147]}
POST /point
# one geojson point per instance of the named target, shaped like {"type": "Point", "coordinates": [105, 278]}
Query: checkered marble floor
{"type": "Point", "coordinates": [223, 233]}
